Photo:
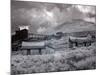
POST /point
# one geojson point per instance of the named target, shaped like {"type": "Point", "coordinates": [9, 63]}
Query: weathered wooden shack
{"type": "Point", "coordinates": [30, 45]}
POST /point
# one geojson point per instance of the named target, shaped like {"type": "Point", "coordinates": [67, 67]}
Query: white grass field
{"type": "Point", "coordinates": [82, 58]}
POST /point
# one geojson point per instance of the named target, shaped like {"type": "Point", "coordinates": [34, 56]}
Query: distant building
{"type": "Point", "coordinates": [37, 37]}
{"type": "Point", "coordinates": [20, 34]}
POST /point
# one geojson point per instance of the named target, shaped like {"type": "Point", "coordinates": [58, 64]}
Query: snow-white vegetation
{"type": "Point", "coordinates": [82, 58]}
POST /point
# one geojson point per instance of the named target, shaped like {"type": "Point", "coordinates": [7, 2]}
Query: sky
{"type": "Point", "coordinates": [47, 17]}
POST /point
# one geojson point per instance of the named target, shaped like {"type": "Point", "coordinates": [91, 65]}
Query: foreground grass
{"type": "Point", "coordinates": [73, 59]}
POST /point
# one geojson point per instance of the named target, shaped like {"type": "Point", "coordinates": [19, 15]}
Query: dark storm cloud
{"type": "Point", "coordinates": [43, 17]}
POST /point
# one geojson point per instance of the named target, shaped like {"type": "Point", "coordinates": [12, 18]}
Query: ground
{"type": "Point", "coordinates": [81, 58]}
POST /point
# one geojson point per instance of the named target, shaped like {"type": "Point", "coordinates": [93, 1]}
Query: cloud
{"type": "Point", "coordinates": [88, 11]}
{"type": "Point", "coordinates": [41, 29]}
{"type": "Point", "coordinates": [45, 17]}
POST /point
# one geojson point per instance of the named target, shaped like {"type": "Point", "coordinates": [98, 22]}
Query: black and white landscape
{"type": "Point", "coordinates": [52, 37]}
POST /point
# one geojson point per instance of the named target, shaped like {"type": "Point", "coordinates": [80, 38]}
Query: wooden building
{"type": "Point", "coordinates": [30, 45]}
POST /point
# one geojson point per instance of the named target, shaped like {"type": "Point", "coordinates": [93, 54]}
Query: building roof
{"type": "Point", "coordinates": [32, 45]}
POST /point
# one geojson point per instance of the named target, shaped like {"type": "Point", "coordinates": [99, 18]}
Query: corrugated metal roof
{"type": "Point", "coordinates": [33, 44]}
